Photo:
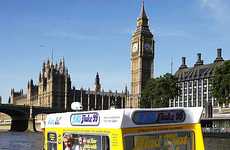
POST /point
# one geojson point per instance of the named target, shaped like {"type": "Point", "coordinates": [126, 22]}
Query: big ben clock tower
{"type": "Point", "coordinates": [142, 55]}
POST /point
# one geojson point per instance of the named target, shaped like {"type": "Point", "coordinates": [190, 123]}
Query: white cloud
{"type": "Point", "coordinates": [219, 9]}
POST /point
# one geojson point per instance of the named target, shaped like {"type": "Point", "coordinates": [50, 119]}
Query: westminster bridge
{"type": "Point", "coordinates": [23, 116]}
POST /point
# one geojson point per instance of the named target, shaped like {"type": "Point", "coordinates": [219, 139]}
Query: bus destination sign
{"type": "Point", "coordinates": [158, 117]}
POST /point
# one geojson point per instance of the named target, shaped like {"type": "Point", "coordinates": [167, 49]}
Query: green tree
{"type": "Point", "coordinates": [159, 91]}
{"type": "Point", "coordinates": [221, 83]}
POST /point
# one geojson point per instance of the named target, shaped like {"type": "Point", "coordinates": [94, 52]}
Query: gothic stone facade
{"type": "Point", "coordinates": [54, 90]}
{"type": "Point", "coordinates": [195, 84]}
{"type": "Point", "coordinates": [54, 86]}
{"type": "Point", "coordinates": [142, 55]}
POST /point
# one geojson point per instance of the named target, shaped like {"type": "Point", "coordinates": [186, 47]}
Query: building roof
{"type": "Point", "coordinates": [199, 70]}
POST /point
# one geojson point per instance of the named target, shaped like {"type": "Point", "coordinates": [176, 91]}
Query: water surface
{"type": "Point", "coordinates": [34, 141]}
{"type": "Point", "coordinates": [21, 141]}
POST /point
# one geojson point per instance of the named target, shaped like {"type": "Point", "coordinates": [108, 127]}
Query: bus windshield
{"type": "Point", "coordinates": [182, 140]}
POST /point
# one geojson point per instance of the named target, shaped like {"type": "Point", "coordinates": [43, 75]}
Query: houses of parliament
{"type": "Point", "coordinates": [54, 88]}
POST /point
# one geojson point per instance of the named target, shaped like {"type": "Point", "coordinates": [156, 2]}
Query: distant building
{"type": "Point", "coordinates": [196, 85]}
{"type": "Point", "coordinates": [54, 85]}
{"type": "Point", "coordinates": [54, 90]}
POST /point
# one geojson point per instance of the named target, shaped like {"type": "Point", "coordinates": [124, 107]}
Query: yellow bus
{"type": "Point", "coordinates": [125, 129]}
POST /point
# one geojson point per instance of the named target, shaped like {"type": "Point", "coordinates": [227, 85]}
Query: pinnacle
{"type": "Point", "coordinates": [143, 14]}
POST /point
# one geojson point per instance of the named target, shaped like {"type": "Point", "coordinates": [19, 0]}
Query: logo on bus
{"type": "Point", "coordinates": [54, 121]}
{"type": "Point", "coordinates": [90, 119]}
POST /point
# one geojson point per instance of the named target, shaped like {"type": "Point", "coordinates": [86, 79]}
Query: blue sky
{"type": "Point", "coordinates": [94, 36]}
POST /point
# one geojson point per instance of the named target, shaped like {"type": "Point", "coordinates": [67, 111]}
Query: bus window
{"type": "Point", "coordinates": [160, 141]}
{"type": "Point", "coordinates": [76, 141]}
{"type": "Point", "coordinates": [52, 141]}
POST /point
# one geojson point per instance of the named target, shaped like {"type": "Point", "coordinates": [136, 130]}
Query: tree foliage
{"type": "Point", "coordinates": [158, 91]}
{"type": "Point", "coordinates": [221, 83]}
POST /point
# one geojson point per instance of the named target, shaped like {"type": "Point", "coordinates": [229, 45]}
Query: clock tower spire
{"type": "Point", "coordinates": [142, 56]}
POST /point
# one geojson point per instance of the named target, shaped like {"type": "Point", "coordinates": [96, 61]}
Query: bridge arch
{"type": "Point", "coordinates": [19, 118]}
{"type": "Point", "coordinates": [23, 117]}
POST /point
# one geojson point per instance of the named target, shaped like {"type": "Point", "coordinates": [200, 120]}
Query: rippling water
{"type": "Point", "coordinates": [20, 141]}
{"type": "Point", "coordinates": [34, 141]}
{"type": "Point", "coordinates": [213, 143]}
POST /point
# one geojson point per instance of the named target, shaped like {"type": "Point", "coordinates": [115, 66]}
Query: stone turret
{"type": "Point", "coordinates": [32, 93]}
{"type": "Point", "coordinates": [97, 83]}
{"type": "Point", "coordinates": [16, 95]}
{"type": "Point", "coordinates": [55, 85]}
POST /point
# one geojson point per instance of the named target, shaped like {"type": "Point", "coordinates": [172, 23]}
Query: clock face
{"type": "Point", "coordinates": [135, 47]}
{"type": "Point", "coordinates": [147, 46]}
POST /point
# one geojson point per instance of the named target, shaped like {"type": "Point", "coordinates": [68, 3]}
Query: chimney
{"type": "Point", "coordinates": [199, 61]}
{"type": "Point", "coordinates": [183, 64]}
{"type": "Point", "coordinates": [219, 57]}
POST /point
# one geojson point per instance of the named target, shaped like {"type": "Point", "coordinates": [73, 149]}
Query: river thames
{"type": "Point", "coordinates": [34, 141]}
{"type": "Point", "coordinates": [20, 141]}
